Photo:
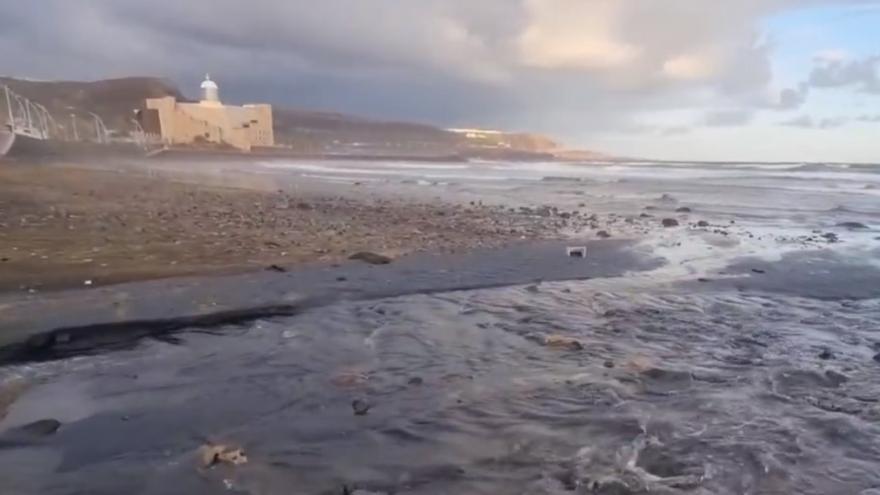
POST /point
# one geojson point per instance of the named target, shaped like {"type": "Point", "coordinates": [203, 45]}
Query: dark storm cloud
{"type": "Point", "coordinates": [564, 66]}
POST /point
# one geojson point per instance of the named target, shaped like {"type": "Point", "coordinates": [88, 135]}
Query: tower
{"type": "Point", "coordinates": [210, 92]}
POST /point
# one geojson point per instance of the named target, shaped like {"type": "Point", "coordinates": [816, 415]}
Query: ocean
{"type": "Point", "coordinates": [736, 357]}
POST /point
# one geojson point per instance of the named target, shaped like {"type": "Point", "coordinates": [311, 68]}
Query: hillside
{"type": "Point", "coordinates": [114, 100]}
{"type": "Point", "coordinates": [313, 132]}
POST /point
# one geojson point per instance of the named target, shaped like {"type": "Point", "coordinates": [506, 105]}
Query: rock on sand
{"type": "Point", "coordinates": [371, 258]}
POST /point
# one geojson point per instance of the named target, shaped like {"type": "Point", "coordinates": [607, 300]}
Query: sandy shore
{"type": "Point", "coordinates": [65, 226]}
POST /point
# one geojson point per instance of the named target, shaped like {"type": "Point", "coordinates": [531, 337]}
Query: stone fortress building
{"type": "Point", "coordinates": [208, 121]}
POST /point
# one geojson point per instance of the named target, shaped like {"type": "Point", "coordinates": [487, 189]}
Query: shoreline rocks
{"type": "Point", "coordinates": [370, 258]}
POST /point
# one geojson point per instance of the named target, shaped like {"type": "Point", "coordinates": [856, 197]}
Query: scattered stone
{"type": "Point", "coordinates": [668, 198]}
{"type": "Point", "coordinates": [213, 454]}
{"type": "Point", "coordinates": [341, 279]}
{"type": "Point", "coordinates": [853, 225]}
{"type": "Point", "coordinates": [304, 206]}
{"type": "Point", "coordinates": [683, 209]}
{"type": "Point", "coordinates": [826, 354]}
{"type": "Point", "coordinates": [645, 215]}
{"type": "Point", "coordinates": [669, 222]}
{"type": "Point", "coordinates": [759, 271]}
{"type": "Point", "coordinates": [562, 342]}
{"type": "Point", "coordinates": [603, 234]}
{"type": "Point", "coordinates": [703, 280]}
{"type": "Point", "coordinates": [276, 268]}
{"type": "Point", "coordinates": [608, 364]}
{"type": "Point", "coordinates": [371, 258]}
{"type": "Point", "coordinates": [360, 407]}
{"type": "Point", "coordinates": [877, 358]}
{"type": "Point", "coordinates": [831, 237]}
{"type": "Point", "coordinates": [702, 223]}
{"type": "Point", "coordinates": [416, 380]}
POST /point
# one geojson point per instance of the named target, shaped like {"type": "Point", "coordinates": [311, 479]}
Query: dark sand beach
{"type": "Point", "coordinates": [733, 351]}
{"type": "Point", "coordinates": [66, 225]}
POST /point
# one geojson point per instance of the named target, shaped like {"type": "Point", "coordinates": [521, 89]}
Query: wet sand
{"type": "Point", "coordinates": [66, 226]}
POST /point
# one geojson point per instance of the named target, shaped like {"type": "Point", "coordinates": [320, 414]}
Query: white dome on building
{"type": "Point", "coordinates": [210, 90]}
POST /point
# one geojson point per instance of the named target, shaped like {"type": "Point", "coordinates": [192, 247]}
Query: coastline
{"type": "Point", "coordinates": [68, 225]}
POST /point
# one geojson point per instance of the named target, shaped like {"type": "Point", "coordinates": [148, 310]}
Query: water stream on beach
{"type": "Point", "coordinates": [743, 367]}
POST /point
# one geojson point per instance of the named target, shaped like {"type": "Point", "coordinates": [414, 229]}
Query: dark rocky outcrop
{"type": "Point", "coordinates": [853, 225]}
{"type": "Point", "coordinates": [371, 258]}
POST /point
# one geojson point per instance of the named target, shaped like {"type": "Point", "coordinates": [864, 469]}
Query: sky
{"type": "Point", "coordinates": [758, 80]}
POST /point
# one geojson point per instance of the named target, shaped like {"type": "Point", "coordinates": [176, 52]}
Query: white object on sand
{"type": "Point", "coordinates": [576, 252]}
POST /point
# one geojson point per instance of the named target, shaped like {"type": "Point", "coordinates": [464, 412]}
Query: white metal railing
{"type": "Point", "coordinates": [25, 117]}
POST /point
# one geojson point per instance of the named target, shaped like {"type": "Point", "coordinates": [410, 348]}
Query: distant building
{"type": "Point", "coordinates": [492, 139]}
{"type": "Point", "coordinates": [208, 121]}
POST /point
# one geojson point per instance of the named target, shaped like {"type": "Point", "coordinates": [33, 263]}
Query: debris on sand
{"type": "Point", "coordinates": [371, 258]}
{"type": "Point", "coordinates": [350, 379]}
{"type": "Point", "coordinates": [213, 454]}
{"type": "Point", "coordinates": [576, 252]}
{"type": "Point", "coordinates": [669, 222]}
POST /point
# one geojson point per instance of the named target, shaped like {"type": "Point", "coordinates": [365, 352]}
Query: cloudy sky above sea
{"type": "Point", "coordinates": [675, 79]}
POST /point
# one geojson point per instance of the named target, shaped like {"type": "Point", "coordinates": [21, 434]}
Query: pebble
{"type": "Point", "coordinates": [371, 258]}
{"type": "Point", "coordinates": [826, 355]}
{"type": "Point", "coordinates": [360, 407]}
{"type": "Point", "coordinates": [669, 222]}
